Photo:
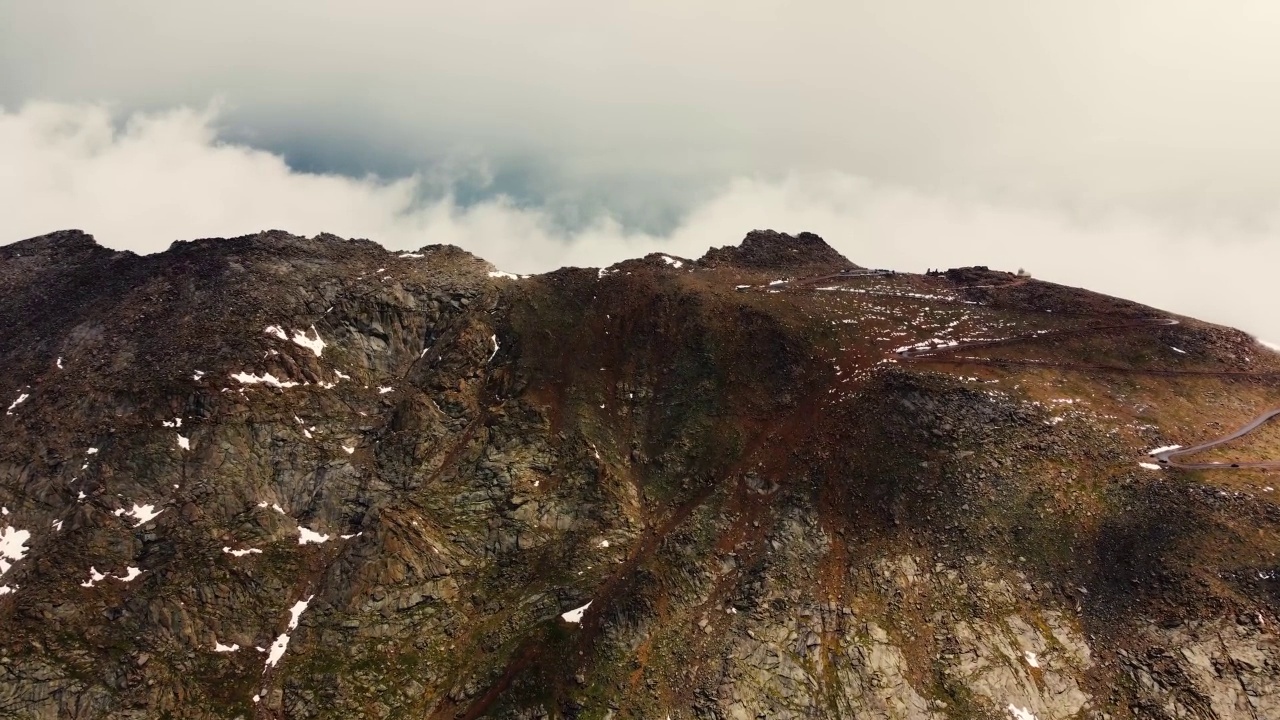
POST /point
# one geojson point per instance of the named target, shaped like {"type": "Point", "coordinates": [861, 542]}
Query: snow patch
{"type": "Point", "coordinates": [184, 443]}
{"type": "Point", "coordinates": [175, 423]}
{"type": "Point", "coordinates": [265, 379]}
{"type": "Point", "coordinates": [219, 647]}
{"type": "Point", "coordinates": [383, 390]}
{"type": "Point", "coordinates": [22, 397]}
{"type": "Point", "coordinates": [295, 612]}
{"type": "Point", "coordinates": [575, 615]}
{"type": "Point", "coordinates": [276, 331]}
{"type": "Point", "coordinates": [94, 577]}
{"type": "Point", "coordinates": [241, 553]}
{"type": "Point", "coordinates": [501, 274]}
{"type": "Point", "coordinates": [672, 261]}
{"type": "Point", "coordinates": [1159, 450]}
{"type": "Point", "coordinates": [142, 513]}
{"type": "Point", "coordinates": [1031, 658]}
{"type": "Point", "coordinates": [130, 573]}
{"type": "Point", "coordinates": [307, 535]}
{"type": "Point", "coordinates": [1180, 351]}
{"type": "Point", "coordinates": [12, 547]}
{"type": "Point", "coordinates": [316, 346]}
{"type": "Point", "coordinates": [1020, 713]}
{"type": "Point", "coordinates": [494, 339]}
{"type": "Point", "coordinates": [411, 255]}
{"type": "Point", "coordinates": [1149, 466]}
{"type": "Point", "coordinates": [91, 451]}
{"type": "Point", "coordinates": [277, 651]}
{"type": "Point", "coordinates": [348, 450]}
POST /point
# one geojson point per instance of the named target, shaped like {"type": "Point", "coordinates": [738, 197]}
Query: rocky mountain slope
{"type": "Point", "coordinates": [280, 477]}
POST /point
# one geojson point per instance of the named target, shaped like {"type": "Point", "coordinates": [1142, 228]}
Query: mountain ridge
{"type": "Point", "coordinates": [780, 484]}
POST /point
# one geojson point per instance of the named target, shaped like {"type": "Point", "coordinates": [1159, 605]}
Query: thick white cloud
{"type": "Point", "coordinates": [153, 178]}
{"type": "Point", "coordinates": [1169, 105]}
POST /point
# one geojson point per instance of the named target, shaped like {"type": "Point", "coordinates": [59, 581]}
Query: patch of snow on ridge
{"type": "Point", "coordinates": [265, 379]}
{"type": "Point", "coordinates": [1180, 351]}
{"type": "Point", "coordinates": [1031, 658]}
{"type": "Point", "coordinates": [277, 651]}
{"type": "Point", "coordinates": [1020, 713]}
{"type": "Point", "coordinates": [494, 339]}
{"type": "Point", "coordinates": [672, 261]}
{"type": "Point", "coordinates": [295, 612]}
{"type": "Point", "coordinates": [130, 574]}
{"type": "Point", "coordinates": [575, 615]}
{"type": "Point", "coordinates": [12, 547]}
{"type": "Point", "coordinates": [240, 553]}
{"type": "Point", "coordinates": [507, 275]}
{"type": "Point", "coordinates": [184, 442]}
{"type": "Point", "coordinates": [383, 390]}
{"type": "Point", "coordinates": [276, 331]}
{"type": "Point", "coordinates": [22, 397]}
{"type": "Point", "coordinates": [307, 535]}
{"type": "Point", "coordinates": [219, 647]}
{"type": "Point", "coordinates": [1166, 448]}
{"type": "Point", "coordinates": [1149, 466]}
{"type": "Point", "coordinates": [143, 513]}
{"type": "Point", "coordinates": [410, 255]}
{"type": "Point", "coordinates": [316, 346]}
{"type": "Point", "coordinates": [94, 577]}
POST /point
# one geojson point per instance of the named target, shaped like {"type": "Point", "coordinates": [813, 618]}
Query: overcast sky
{"type": "Point", "coordinates": [1122, 145]}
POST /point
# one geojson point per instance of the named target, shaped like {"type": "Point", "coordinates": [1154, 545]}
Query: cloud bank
{"type": "Point", "coordinates": [140, 180]}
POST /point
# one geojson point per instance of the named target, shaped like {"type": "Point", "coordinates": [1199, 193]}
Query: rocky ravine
{"type": "Point", "coordinates": [273, 477]}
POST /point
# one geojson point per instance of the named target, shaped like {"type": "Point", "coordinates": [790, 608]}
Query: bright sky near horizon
{"type": "Point", "coordinates": [1127, 146]}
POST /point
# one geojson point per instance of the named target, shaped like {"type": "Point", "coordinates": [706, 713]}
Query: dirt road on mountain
{"type": "Point", "coordinates": [1166, 457]}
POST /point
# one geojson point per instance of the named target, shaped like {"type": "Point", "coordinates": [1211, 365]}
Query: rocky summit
{"type": "Point", "coordinates": [284, 477]}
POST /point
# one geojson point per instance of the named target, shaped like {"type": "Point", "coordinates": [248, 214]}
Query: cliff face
{"type": "Point", "coordinates": [281, 477]}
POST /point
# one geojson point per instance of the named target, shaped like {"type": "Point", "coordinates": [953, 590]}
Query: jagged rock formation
{"type": "Point", "coordinates": [275, 477]}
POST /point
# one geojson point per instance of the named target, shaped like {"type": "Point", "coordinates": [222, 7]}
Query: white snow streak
{"type": "Point", "coordinates": [1149, 466]}
{"type": "Point", "coordinates": [315, 346]}
{"type": "Point", "coordinates": [265, 379]}
{"type": "Point", "coordinates": [219, 647]}
{"type": "Point", "coordinates": [241, 553]}
{"type": "Point", "coordinates": [94, 577]}
{"type": "Point", "coordinates": [575, 615]}
{"type": "Point", "coordinates": [307, 535]}
{"type": "Point", "coordinates": [1020, 713]}
{"type": "Point", "coordinates": [1166, 448]}
{"type": "Point", "coordinates": [21, 399]}
{"type": "Point", "coordinates": [184, 443]}
{"type": "Point", "coordinates": [12, 547]}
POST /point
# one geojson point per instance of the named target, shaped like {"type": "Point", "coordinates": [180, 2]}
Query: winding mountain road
{"type": "Point", "coordinates": [1166, 457]}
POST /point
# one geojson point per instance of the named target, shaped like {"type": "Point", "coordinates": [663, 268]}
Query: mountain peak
{"type": "Point", "coordinates": [773, 250]}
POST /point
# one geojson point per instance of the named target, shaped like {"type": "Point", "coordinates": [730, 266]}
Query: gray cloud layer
{"type": "Point", "coordinates": [1127, 146]}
